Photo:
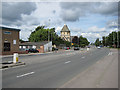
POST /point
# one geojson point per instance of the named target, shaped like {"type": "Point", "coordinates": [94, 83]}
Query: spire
{"type": "Point", "coordinates": [65, 28]}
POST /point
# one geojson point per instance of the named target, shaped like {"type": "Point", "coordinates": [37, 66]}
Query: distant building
{"type": "Point", "coordinates": [74, 39]}
{"type": "Point", "coordinates": [65, 33]}
{"type": "Point", "coordinates": [42, 47]}
{"type": "Point", "coordinates": [9, 40]}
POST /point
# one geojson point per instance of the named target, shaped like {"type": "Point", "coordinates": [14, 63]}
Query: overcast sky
{"type": "Point", "coordinates": [89, 19]}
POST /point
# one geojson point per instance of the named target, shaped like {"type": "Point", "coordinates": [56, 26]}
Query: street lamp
{"type": "Point", "coordinates": [48, 31]}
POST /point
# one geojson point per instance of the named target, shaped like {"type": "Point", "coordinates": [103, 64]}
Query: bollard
{"type": "Point", "coordinates": [15, 58]}
{"type": "Point", "coordinates": [88, 49]}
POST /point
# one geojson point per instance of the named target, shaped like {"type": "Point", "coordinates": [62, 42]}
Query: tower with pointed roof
{"type": "Point", "coordinates": [65, 33]}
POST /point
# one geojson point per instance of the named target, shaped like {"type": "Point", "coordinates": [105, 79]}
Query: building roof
{"type": "Point", "coordinates": [34, 43]}
{"type": "Point", "coordinates": [9, 28]}
{"type": "Point", "coordinates": [65, 29]}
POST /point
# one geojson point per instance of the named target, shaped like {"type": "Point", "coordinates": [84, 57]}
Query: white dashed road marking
{"type": "Point", "coordinates": [83, 57]}
{"type": "Point", "coordinates": [110, 53]}
{"type": "Point", "coordinates": [25, 74]}
{"type": "Point", "coordinates": [67, 62]}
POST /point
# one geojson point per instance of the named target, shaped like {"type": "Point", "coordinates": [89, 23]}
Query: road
{"type": "Point", "coordinates": [51, 70]}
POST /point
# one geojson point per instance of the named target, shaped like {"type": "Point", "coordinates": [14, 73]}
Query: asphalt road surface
{"type": "Point", "coordinates": [52, 70]}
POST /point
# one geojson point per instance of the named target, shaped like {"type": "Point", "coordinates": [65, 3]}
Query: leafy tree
{"type": "Point", "coordinates": [83, 41]}
{"type": "Point", "coordinates": [97, 42]}
{"type": "Point", "coordinates": [42, 34]}
{"type": "Point", "coordinates": [104, 41]}
{"type": "Point", "coordinates": [112, 40]}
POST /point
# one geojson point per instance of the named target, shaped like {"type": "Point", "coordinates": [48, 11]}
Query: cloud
{"type": "Point", "coordinates": [72, 11]}
{"type": "Point", "coordinates": [106, 8]}
{"type": "Point", "coordinates": [69, 15]}
{"type": "Point", "coordinates": [58, 29]}
{"type": "Point", "coordinates": [95, 35]}
{"type": "Point", "coordinates": [11, 12]}
{"type": "Point", "coordinates": [112, 24]}
{"type": "Point", "coordinates": [95, 29]}
{"type": "Point", "coordinates": [74, 29]}
{"type": "Point", "coordinates": [91, 36]}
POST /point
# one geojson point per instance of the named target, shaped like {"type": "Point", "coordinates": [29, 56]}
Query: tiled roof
{"type": "Point", "coordinates": [65, 29]}
{"type": "Point", "coordinates": [9, 28]}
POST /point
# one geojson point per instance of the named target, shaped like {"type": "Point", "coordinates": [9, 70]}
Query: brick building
{"type": "Point", "coordinates": [9, 40]}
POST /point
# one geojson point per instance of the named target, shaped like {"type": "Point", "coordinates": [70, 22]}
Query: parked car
{"type": "Point", "coordinates": [54, 49]}
{"type": "Point", "coordinates": [88, 46]}
{"type": "Point", "coordinates": [32, 50]}
{"type": "Point", "coordinates": [76, 48]}
{"type": "Point", "coordinates": [66, 48]}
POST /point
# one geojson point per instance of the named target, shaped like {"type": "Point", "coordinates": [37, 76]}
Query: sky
{"type": "Point", "coordinates": [89, 19]}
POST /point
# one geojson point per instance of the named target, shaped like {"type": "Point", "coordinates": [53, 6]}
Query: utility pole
{"type": "Point", "coordinates": [48, 31]}
{"type": "Point", "coordinates": [118, 35]}
{"type": "Point", "coordinates": [48, 35]}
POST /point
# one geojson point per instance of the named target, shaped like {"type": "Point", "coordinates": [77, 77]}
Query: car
{"type": "Point", "coordinates": [54, 49]}
{"type": "Point", "coordinates": [66, 48]}
{"type": "Point", "coordinates": [98, 47]}
{"type": "Point", "coordinates": [88, 46]}
{"type": "Point", "coordinates": [76, 48]}
{"type": "Point", "coordinates": [31, 50]}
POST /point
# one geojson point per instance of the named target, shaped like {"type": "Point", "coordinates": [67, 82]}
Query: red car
{"type": "Point", "coordinates": [66, 48]}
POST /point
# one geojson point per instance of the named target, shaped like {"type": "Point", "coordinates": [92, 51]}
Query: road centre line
{"type": "Point", "coordinates": [67, 62]}
{"type": "Point", "coordinates": [25, 74]}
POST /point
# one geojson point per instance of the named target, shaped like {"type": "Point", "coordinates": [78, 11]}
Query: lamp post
{"type": "Point", "coordinates": [118, 36]}
{"type": "Point", "coordinates": [48, 32]}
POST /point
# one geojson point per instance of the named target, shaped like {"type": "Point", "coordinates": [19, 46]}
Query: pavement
{"type": "Point", "coordinates": [53, 70]}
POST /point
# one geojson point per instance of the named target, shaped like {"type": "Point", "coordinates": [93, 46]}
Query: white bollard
{"type": "Point", "coordinates": [88, 49]}
{"type": "Point", "coordinates": [15, 58]}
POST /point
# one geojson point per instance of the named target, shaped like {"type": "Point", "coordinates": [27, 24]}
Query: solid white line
{"type": "Point", "coordinates": [25, 74]}
{"type": "Point", "coordinates": [67, 62]}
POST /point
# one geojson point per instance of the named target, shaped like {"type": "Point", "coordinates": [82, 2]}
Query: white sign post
{"type": "Point", "coordinates": [15, 58]}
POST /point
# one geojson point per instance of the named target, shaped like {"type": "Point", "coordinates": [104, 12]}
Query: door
{"type": "Point", "coordinates": [6, 46]}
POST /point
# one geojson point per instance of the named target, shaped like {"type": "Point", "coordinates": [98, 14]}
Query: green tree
{"type": "Point", "coordinates": [42, 34]}
{"type": "Point", "coordinates": [83, 41]}
{"type": "Point", "coordinates": [104, 41]}
{"type": "Point", "coordinates": [112, 40]}
{"type": "Point", "coordinates": [97, 42]}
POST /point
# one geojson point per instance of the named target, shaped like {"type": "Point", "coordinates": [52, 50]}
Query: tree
{"type": "Point", "coordinates": [97, 42]}
{"type": "Point", "coordinates": [42, 34]}
{"type": "Point", "coordinates": [104, 41]}
{"type": "Point", "coordinates": [112, 39]}
{"type": "Point", "coordinates": [83, 41]}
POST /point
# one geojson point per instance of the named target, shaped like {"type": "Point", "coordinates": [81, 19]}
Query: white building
{"type": "Point", "coordinates": [42, 47]}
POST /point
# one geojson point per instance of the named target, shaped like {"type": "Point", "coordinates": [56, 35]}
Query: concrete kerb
{"type": "Point", "coordinates": [26, 54]}
{"type": "Point", "coordinates": [37, 53]}
{"type": "Point", "coordinates": [11, 65]}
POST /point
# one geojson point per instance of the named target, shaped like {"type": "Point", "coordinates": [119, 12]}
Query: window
{"type": "Point", "coordinates": [7, 32]}
{"type": "Point", "coordinates": [6, 46]}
